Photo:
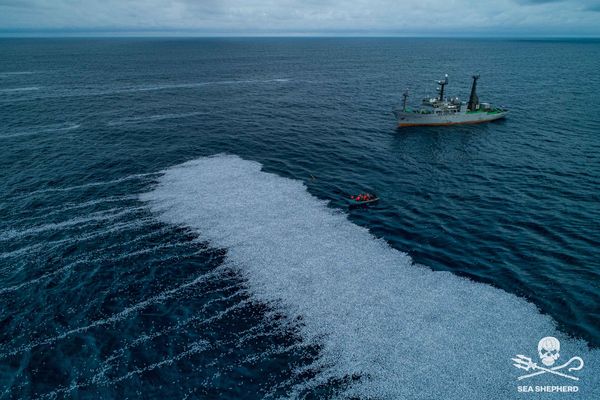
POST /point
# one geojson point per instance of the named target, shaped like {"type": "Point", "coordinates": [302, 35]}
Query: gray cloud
{"type": "Point", "coordinates": [428, 17]}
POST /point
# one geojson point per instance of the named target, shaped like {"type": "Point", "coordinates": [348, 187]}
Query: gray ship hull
{"type": "Point", "coordinates": [442, 117]}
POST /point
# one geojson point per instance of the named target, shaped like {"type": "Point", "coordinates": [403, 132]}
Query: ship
{"type": "Point", "coordinates": [439, 111]}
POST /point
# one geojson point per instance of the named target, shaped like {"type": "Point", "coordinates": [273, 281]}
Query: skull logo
{"type": "Point", "coordinates": [548, 350]}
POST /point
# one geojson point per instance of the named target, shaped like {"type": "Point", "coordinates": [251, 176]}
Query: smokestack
{"type": "Point", "coordinates": [473, 99]}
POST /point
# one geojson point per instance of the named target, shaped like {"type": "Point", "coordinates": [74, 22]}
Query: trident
{"type": "Point", "coordinates": [525, 363]}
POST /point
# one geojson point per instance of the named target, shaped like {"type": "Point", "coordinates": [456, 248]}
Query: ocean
{"type": "Point", "coordinates": [174, 219]}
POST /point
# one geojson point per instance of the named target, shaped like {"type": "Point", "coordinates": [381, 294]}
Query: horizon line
{"type": "Point", "coordinates": [187, 35]}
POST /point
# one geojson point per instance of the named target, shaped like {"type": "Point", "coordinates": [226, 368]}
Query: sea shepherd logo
{"type": "Point", "coordinates": [549, 353]}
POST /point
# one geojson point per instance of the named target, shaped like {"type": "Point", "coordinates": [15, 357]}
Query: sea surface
{"type": "Point", "coordinates": [174, 221]}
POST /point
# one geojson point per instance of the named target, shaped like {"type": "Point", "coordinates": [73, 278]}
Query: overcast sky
{"type": "Point", "coordinates": [302, 17]}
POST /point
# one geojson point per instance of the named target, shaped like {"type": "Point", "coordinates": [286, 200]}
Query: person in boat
{"type": "Point", "coordinates": [362, 197]}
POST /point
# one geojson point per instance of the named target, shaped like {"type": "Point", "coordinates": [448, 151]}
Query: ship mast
{"type": "Point", "coordinates": [441, 88]}
{"type": "Point", "coordinates": [405, 96]}
{"type": "Point", "coordinates": [473, 99]}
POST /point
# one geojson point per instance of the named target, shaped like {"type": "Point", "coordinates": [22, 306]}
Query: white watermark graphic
{"type": "Point", "coordinates": [549, 353]}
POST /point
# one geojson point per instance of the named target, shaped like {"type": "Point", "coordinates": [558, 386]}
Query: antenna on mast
{"type": "Point", "coordinates": [442, 83]}
{"type": "Point", "coordinates": [405, 96]}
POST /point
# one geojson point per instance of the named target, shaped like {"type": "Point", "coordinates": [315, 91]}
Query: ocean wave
{"type": "Point", "coordinates": [42, 129]}
{"type": "Point", "coordinates": [86, 185]}
{"type": "Point", "coordinates": [404, 330]}
{"type": "Point", "coordinates": [20, 89]}
{"type": "Point", "coordinates": [200, 84]}
{"type": "Point", "coordinates": [28, 250]}
{"type": "Point", "coordinates": [16, 73]}
{"type": "Point", "coordinates": [111, 214]}
{"type": "Point", "coordinates": [193, 348]}
{"type": "Point", "coordinates": [200, 319]}
{"type": "Point", "coordinates": [140, 223]}
{"type": "Point", "coordinates": [158, 117]}
{"type": "Point", "coordinates": [135, 308]}
{"type": "Point", "coordinates": [67, 207]}
{"type": "Point", "coordinates": [107, 91]}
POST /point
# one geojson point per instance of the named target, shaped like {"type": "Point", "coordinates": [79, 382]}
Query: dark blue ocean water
{"type": "Point", "coordinates": [95, 293]}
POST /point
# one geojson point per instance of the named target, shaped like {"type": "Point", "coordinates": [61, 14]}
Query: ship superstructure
{"type": "Point", "coordinates": [439, 110]}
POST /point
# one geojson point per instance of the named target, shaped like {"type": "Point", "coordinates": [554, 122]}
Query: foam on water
{"type": "Point", "coordinates": [406, 331]}
{"type": "Point", "coordinates": [135, 308]}
{"type": "Point", "coordinates": [42, 129]}
{"type": "Point", "coordinates": [88, 260]}
{"type": "Point", "coordinates": [50, 211]}
{"type": "Point", "coordinates": [85, 185]}
{"type": "Point", "coordinates": [118, 227]}
{"type": "Point", "coordinates": [99, 376]}
{"type": "Point", "coordinates": [12, 73]}
{"type": "Point", "coordinates": [112, 214]}
{"type": "Point", "coordinates": [104, 91]}
{"type": "Point", "coordinates": [150, 118]}
{"type": "Point", "coordinates": [198, 84]}
{"type": "Point", "coordinates": [20, 89]}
